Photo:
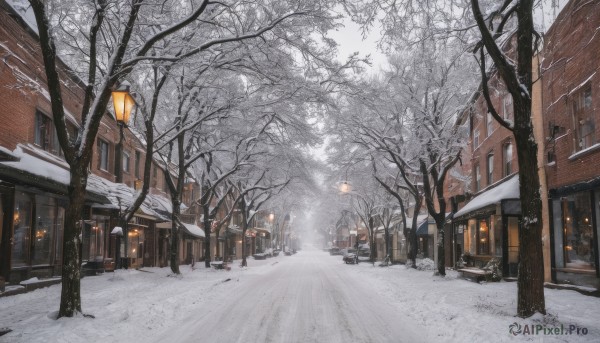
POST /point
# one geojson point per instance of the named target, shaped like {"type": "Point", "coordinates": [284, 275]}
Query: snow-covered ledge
{"type": "Point", "coordinates": [584, 152]}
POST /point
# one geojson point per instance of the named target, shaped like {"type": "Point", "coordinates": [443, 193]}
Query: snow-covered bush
{"type": "Point", "coordinates": [425, 264]}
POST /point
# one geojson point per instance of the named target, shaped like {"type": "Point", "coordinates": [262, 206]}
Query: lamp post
{"type": "Point", "coordinates": [123, 103]}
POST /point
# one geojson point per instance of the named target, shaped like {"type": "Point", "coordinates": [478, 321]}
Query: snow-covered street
{"type": "Point", "coordinates": [308, 297]}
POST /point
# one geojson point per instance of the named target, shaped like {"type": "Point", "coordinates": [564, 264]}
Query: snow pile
{"type": "Point", "coordinates": [425, 264]}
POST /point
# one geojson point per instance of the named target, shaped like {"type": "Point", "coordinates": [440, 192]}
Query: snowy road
{"type": "Point", "coordinates": [307, 297]}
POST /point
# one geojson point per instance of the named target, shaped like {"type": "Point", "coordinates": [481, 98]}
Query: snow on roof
{"type": "Point", "coordinates": [117, 231]}
{"type": "Point", "coordinates": [506, 190]}
{"type": "Point", "coordinates": [38, 166]}
{"type": "Point", "coordinates": [194, 230]}
{"type": "Point", "coordinates": [118, 194]}
{"type": "Point", "coordinates": [420, 219]}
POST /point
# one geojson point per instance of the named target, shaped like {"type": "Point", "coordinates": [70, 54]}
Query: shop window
{"type": "Point", "coordinates": [498, 236]}
{"type": "Point", "coordinates": [513, 246]}
{"type": "Point", "coordinates": [507, 157]}
{"type": "Point", "coordinates": [578, 232]}
{"type": "Point", "coordinates": [490, 168]}
{"type": "Point", "coordinates": [59, 234]}
{"type": "Point", "coordinates": [102, 155]}
{"type": "Point", "coordinates": [483, 237]}
{"type": "Point", "coordinates": [45, 229]}
{"type": "Point", "coordinates": [22, 230]}
{"type": "Point", "coordinates": [583, 119]}
{"type": "Point", "coordinates": [93, 241]}
{"type": "Point", "coordinates": [135, 243]}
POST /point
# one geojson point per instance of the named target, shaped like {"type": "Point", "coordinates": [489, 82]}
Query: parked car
{"type": "Point", "coordinates": [349, 256]}
{"type": "Point", "coordinates": [335, 251]}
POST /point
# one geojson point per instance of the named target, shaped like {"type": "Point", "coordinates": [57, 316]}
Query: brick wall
{"type": "Point", "coordinates": [23, 91]}
{"type": "Point", "coordinates": [570, 63]}
{"type": "Point", "coordinates": [490, 141]}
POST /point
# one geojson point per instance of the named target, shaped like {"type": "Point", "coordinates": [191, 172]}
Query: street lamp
{"type": "Point", "coordinates": [345, 187]}
{"type": "Point", "coordinates": [123, 103]}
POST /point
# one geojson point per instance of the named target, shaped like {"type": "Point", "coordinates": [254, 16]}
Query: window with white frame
{"type": "Point", "coordinates": [583, 119]}
{"type": "Point", "coordinates": [490, 125]}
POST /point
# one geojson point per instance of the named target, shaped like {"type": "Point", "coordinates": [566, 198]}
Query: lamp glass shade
{"type": "Point", "coordinates": [123, 103]}
{"type": "Point", "coordinates": [345, 187]}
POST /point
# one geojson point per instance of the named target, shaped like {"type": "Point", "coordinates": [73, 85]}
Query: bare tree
{"type": "Point", "coordinates": [485, 26]}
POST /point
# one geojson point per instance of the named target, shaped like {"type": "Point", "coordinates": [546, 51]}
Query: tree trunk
{"type": "Point", "coordinates": [413, 241]}
{"type": "Point", "coordinates": [70, 301]}
{"type": "Point", "coordinates": [207, 229]}
{"type": "Point", "coordinates": [372, 240]}
{"type": "Point", "coordinates": [173, 255]}
{"type": "Point", "coordinates": [244, 228]}
{"type": "Point", "coordinates": [441, 251]}
{"type": "Point", "coordinates": [531, 263]}
{"type": "Point", "coordinates": [386, 233]}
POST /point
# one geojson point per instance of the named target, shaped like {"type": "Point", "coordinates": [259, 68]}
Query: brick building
{"type": "Point", "coordinates": [571, 94]}
{"type": "Point", "coordinates": [34, 176]}
{"type": "Point", "coordinates": [487, 225]}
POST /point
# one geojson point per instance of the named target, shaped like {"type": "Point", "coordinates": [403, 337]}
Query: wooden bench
{"type": "Point", "coordinates": [475, 274]}
{"type": "Point", "coordinates": [218, 264]}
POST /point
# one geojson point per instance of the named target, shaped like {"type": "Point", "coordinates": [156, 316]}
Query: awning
{"type": "Point", "coordinates": [23, 168]}
{"type": "Point", "coordinates": [262, 230]}
{"type": "Point", "coordinates": [423, 228]}
{"type": "Point", "coordinates": [508, 189]}
{"type": "Point", "coordinates": [193, 230]}
{"type": "Point", "coordinates": [190, 229]}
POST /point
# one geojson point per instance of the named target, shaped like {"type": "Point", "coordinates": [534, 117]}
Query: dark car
{"type": "Point", "coordinates": [335, 251]}
{"type": "Point", "coordinates": [349, 256]}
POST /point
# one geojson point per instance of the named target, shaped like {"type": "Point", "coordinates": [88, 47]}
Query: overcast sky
{"type": "Point", "coordinates": [350, 40]}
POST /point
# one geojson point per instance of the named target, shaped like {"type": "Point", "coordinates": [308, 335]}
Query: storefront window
{"type": "Point", "coordinates": [483, 237]}
{"type": "Point", "coordinates": [498, 236]}
{"type": "Point", "coordinates": [60, 225]}
{"type": "Point", "coordinates": [44, 230]}
{"type": "Point", "coordinates": [135, 243]}
{"type": "Point", "coordinates": [22, 230]}
{"type": "Point", "coordinates": [513, 245]}
{"type": "Point", "coordinates": [470, 237]}
{"type": "Point", "coordinates": [577, 233]}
